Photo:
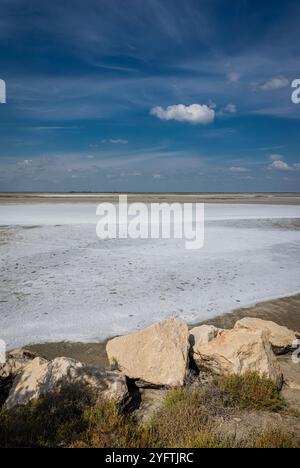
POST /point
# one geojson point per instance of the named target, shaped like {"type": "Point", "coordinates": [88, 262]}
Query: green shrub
{"type": "Point", "coordinates": [108, 427]}
{"type": "Point", "coordinates": [249, 391]}
{"type": "Point", "coordinates": [183, 416]}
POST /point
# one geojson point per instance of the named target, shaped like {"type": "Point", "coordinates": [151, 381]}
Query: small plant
{"type": "Point", "coordinates": [182, 396]}
{"type": "Point", "coordinates": [182, 416]}
{"type": "Point", "coordinates": [108, 427]}
{"type": "Point", "coordinates": [250, 391]}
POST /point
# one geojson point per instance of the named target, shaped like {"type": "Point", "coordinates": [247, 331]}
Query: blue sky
{"type": "Point", "coordinates": [99, 95]}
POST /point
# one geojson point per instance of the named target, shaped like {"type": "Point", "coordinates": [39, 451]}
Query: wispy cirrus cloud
{"type": "Point", "coordinates": [238, 169]}
{"type": "Point", "coordinates": [115, 141]}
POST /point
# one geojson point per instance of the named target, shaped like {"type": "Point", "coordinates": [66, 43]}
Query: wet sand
{"type": "Point", "coordinates": [284, 311]}
{"type": "Point", "coordinates": [265, 198]}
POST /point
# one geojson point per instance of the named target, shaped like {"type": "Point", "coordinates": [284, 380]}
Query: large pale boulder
{"type": "Point", "coordinates": [41, 377]}
{"type": "Point", "coordinates": [239, 351]}
{"type": "Point", "coordinates": [157, 355]}
{"type": "Point", "coordinates": [202, 335]}
{"type": "Point", "coordinates": [281, 338]}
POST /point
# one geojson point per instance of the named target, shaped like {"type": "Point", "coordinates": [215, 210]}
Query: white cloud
{"type": "Point", "coordinates": [275, 83]}
{"type": "Point", "coordinates": [280, 165]}
{"type": "Point", "coordinates": [238, 169]}
{"type": "Point", "coordinates": [194, 114]}
{"type": "Point", "coordinates": [116, 141]}
{"type": "Point", "coordinates": [231, 108]}
{"type": "Point", "coordinates": [25, 162]}
{"type": "Point", "coordinates": [157, 176]}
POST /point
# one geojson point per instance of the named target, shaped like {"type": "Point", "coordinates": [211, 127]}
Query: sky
{"type": "Point", "coordinates": [149, 95]}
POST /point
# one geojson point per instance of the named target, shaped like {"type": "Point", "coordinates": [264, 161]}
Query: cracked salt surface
{"type": "Point", "coordinates": [58, 281]}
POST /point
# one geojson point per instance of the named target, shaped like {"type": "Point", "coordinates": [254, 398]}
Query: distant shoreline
{"type": "Point", "coordinates": [284, 311]}
{"type": "Point", "coordinates": [255, 198]}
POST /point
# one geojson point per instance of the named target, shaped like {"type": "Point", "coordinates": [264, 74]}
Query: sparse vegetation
{"type": "Point", "coordinates": [208, 439]}
{"type": "Point", "coordinates": [249, 391]}
{"type": "Point", "coordinates": [47, 422]}
{"type": "Point", "coordinates": [275, 437]}
{"type": "Point", "coordinates": [188, 419]}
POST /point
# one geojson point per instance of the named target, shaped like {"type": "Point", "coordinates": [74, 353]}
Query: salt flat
{"type": "Point", "coordinates": [58, 281]}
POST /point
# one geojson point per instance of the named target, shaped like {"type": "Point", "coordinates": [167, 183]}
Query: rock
{"type": "Point", "coordinates": [23, 353]}
{"type": "Point", "coordinates": [11, 367]}
{"type": "Point", "coordinates": [291, 372]}
{"type": "Point", "coordinates": [245, 426]}
{"type": "Point", "coordinates": [202, 335]}
{"type": "Point", "coordinates": [281, 338]}
{"type": "Point", "coordinates": [40, 377]}
{"type": "Point", "coordinates": [16, 360]}
{"type": "Point", "coordinates": [152, 401]}
{"type": "Point", "coordinates": [157, 355]}
{"type": "Point", "coordinates": [239, 351]}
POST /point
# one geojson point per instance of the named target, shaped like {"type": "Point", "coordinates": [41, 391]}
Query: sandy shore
{"type": "Point", "coordinates": [284, 311]}
{"type": "Point", "coordinates": [265, 198]}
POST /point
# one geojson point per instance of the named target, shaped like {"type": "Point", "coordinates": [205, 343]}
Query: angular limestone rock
{"type": "Point", "coordinates": [157, 355]}
{"type": "Point", "coordinates": [239, 351]}
{"type": "Point", "coordinates": [281, 338]}
{"type": "Point", "coordinates": [202, 335]}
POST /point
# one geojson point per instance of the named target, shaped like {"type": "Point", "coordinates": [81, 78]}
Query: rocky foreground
{"type": "Point", "coordinates": [165, 355]}
{"type": "Point", "coordinates": [166, 386]}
